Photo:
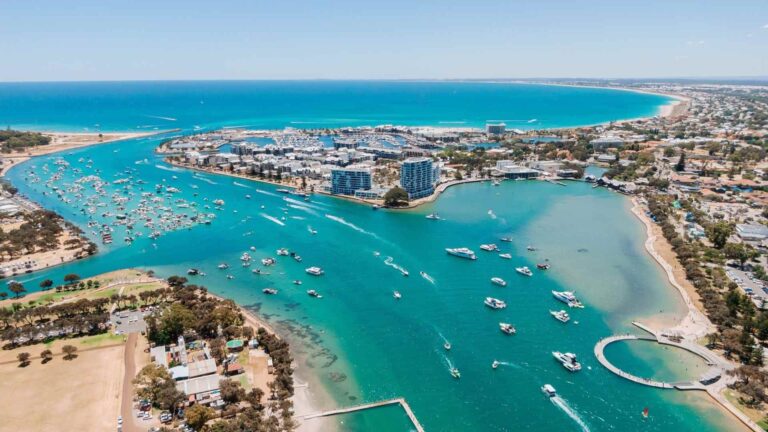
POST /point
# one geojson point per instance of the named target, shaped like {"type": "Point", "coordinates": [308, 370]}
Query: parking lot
{"type": "Point", "coordinates": [129, 322]}
{"type": "Point", "coordinates": [750, 285]}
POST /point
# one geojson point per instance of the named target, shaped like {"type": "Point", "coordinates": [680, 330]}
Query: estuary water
{"type": "Point", "coordinates": [361, 344]}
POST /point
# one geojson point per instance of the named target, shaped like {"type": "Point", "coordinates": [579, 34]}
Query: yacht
{"type": "Point", "coordinates": [506, 239]}
{"type": "Point", "coordinates": [495, 364]}
{"type": "Point", "coordinates": [499, 281]}
{"type": "Point", "coordinates": [313, 293]}
{"type": "Point", "coordinates": [282, 252]}
{"type": "Point", "coordinates": [561, 316]}
{"type": "Point", "coordinates": [461, 253]}
{"type": "Point", "coordinates": [494, 303]}
{"type": "Point", "coordinates": [568, 360]}
{"type": "Point", "coordinates": [505, 256]}
{"type": "Point", "coordinates": [222, 266]}
{"type": "Point", "coordinates": [549, 390]}
{"type": "Point", "coordinates": [314, 271]}
{"type": "Point", "coordinates": [489, 247]}
{"type": "Point", "coordinates": [270, 291]}
{"type": "Point", "coordinates": [568, 298]}
{"type": "Point", "coordinates": [455, 373]}
{"type": "Point", "coordinates": [543, 266]}
{"type": "Point", "coordinates": [507, 328]}
{"type": "Point", "coordinates": [524, 271]}
{"type": "Point", "coordinates": [433, 216]}
{"type": "Point", "coordinates": [397, 295]}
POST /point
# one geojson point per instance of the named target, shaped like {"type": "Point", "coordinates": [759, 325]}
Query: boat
{"type": "Point", "coordinates": [549, 390]}
{"type": "Point", "coordinates": [282, 252]}
{"type": "Point", "coordinates": [495, 182]}
{"type": "Point", "coordinates": [506, 239]}
{"type": "Point", "coordinates": [568, 360]}
{"type": "Point", "coordinates": [433, 216]}
{"type": "Point", "coordinates": [270, 291]}
{"type": "Point", "coordinates": [313, 293]}
{"type": "Point", "coordinates": [267, 261]}
{"type": "Point", "coordinates": [524, 271]}
{"type": "Point", "coordinates": [499, 281]}
{"type": "Point", "coordinates": [505, 256]}
{"type": "Point", "coordinates": [222, 266]}
{"type": "Point", "coordinates": [461, 253]}
{"type": "Point", "coordinates": [568, 298]}
{"type": "Point", "coordinates": [314, 271]}
{"type": "Point", "coordinates": [247, 197]}
{"type": "Point", "coordinates": [531, 248]}
{"type": "Point", "coordinates": [489, 247]}
{"type": "Point", "coordinates": [543, 266]}
{"type": "Point", "coordinates": [447, 346]}
{"type": "Point", "coordinates": [397, 295]}
{"type": "Point", "coordinates": [245, 257]}
{"type": "Point", "coordinates": [193, 272]}
{"type": "Point", "coordinates": [494, 303]}
{"type": "Point", "coordinates": [218, 202]}
{"type": "Point", "coordinates": [297, 258]}
{"type": "Point", "coordinates": [507, 328]}
{"type": "Point", "coordinates": [230, 277]}
{"type": "Point", "coordinates": [495, 364]}
{"type": "Point", "coordinates": [561, 316]}
{"type": "Point", "coordinates": [455, 373]}
{"type": "Point", "coordinates": [283, 191]}
{"type": "Point", "coordinates": [297, 282]}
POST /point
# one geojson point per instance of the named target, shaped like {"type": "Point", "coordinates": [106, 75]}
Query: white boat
{"type": "Point", "coordinates": [495, 182]}
{"type": "Point", "coordinates": [506, 239]}
{"type": "Point", "coordinates": [282, 252]}
{"type": "Point", "coordinates": [433, 216]}
{"type": "Point", "coordinates": [531, 248]}
{"type": "Point", "coordinates": [447, 346]}
{"type": "Point", "coordinates": [499, 281]}
{"type": "Point", "coordinates": [495, 364]}
{"type": "Point", "coordinates": [461, 253]}
{"type": "Point", "coordinates": [314, 271]}
{"type": "Point", "coordinates": [245, 256]}
{"type": "Point", "coordinates": [505, 256]}
{"type": "Point", "coordinates": [218, 202]}
{"type": "Point", "coordinates": [561, 316]}
{"type": "Point", "coordinates": [455, 373]}
{"type": "Point", "coordinates": [397, 295]}
{"type": "Point", "coordinates": [568, 298]}
{"type": "Point", "coordinates": [549, 390]}
{"type": "Point", "coordinates": [270, 291]}
{"type": "Point", "coordinates": [524, 271]}
{"type": "Point", "coordinates": [489, 247]}
{"type": "Point", "coordinates": [297, 282]}
{"type": "Point", "coordinates": [568, 360]}
{"type": "Point", "coordinates": [494, 303]}
{"type": "Point", "coordinates": [313, 293]}
{"type": "Point", "coordinates": [267, 261]}
{"type": "Point", "coordinates": [507, 328]}
{"type": "Point", "coordinates": [222, 266]}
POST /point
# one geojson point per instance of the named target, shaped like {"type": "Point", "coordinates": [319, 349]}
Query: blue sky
{"type": "Point", "coordinates": [46, 40]}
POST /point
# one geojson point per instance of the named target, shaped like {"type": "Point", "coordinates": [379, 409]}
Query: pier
{"type": "Point", "coordinates": [398, 401]}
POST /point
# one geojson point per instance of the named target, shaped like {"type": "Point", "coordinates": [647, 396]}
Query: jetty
{"type": "Point", "coordinates": [397, 401]}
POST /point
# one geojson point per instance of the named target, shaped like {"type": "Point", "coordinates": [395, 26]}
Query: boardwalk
{"type": "Point", "coordinates": [398, 401]}
{"type": "Point", "coordinates": [599, 353]}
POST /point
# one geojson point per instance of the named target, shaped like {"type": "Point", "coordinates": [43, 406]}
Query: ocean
{"type": "Point", "coordinates": [358, 343]}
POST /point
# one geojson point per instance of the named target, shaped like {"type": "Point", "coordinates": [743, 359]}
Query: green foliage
{"type": "Point", "coordinates": [718, 233]}
{"type": "Point", "coordinates": [11, 140]}
{"type": "Point", "coordinates": [395, 197]}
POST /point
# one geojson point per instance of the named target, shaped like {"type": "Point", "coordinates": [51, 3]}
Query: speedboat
{"type": "Point", "coordinates": [447, 346]}
{"type": "Point", "coordinates": [397, 295]}
{"type": "Point", "coordinates": [568, 360]}
{"type": "Point", "coordinates": [455, 373]}
{"type": "Point", "coordinates": [313, 293]}
{"type": "Point", "coordinates": [506, 239]}
{"type": "Point", "coordinates": [222, 266]}
{"type": "Point", "coordinates": [297, 258]}
{"type": "Point", "coordinates": [314, 271]}
{"type": "Point", "coordinates": [433, 216]}
{"type": "Point", "coordinates": [297, 282]}
{"type": "Point", "coordinates": [499, 281]}
{"type": "Point", "coordinates": [269, 291]}
{"type": "Point", "coordinates": [230, 277]}
{"type": "Point", "coordinates": [495, 364]}
{"type": "Point", "coordinates": [568, 298]}
{"type": "Point", "coordinates": [507, 328]}
{"type": "Point", "coordinates": [505, 256]}
{"type": "Point", "coordinates": [524, 271]}
{"type": "Point", "coordinates": [283, 252]}
{"type": "Point", "coordinates": [494, 303]}
{"type": "Point", "coordinates": [543, 266]}
{"type": "Point", "coordinates": [549, 390]}
{"type": "Point", "coordinates": [267, 261]}
{"type": "Point", "coordinates": [489, 247]}
{"type": "Point", "coordinates": [193, 272]}
{"type": "Point", "coordinates": [461, 253]}
{"type": "Point", "coordinates": [561, 316]}
{"type": "Point", "coordinates": [531, 248]}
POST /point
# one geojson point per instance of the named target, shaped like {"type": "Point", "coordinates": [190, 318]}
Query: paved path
{"type": "Point", "coordinates": [398, 401]}
{"type": "Point", "coordinates": [600, 347]}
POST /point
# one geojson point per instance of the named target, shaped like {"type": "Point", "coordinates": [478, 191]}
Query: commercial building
{"type": "Point", "coordinates": [347, 181]}
{"type": "Point", "coordinates": [495, 128]}
{"type": "Point", "coordinates": [418, 176]}
{"type": "Point", "coordinates": [752, 232]}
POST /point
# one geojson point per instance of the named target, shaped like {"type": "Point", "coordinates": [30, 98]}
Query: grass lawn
{"type": "Point", "coordinates": [758, 416]}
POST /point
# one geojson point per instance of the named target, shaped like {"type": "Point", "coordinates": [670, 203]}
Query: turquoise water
{"type": "Point", "coordinates": [361, 345]}
{"type": "Point", "coordinates": [146, 106]}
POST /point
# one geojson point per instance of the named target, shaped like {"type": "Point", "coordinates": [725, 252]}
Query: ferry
{"type": "Point", "coordinates": [270, 291]}
{"type": "Point", "coordinates": [461, 253]}
{"type": "Point", "coordinates": [568, 360]}
{"type": "Point", "coordinates": [314, 271]}
{"type": "Point", "coordinates": [222, 266]}
{"type": "Point", "coordinates": [282, 252]}
{"type": "Point", "coordinates": [495, 364]}
{"type": "Point", "coordinates": [568, 298]}
{"type": "Point", "coordinates": [397, 295]}
{"type": "Point", "coordinates": [549, 390]}
{"type": "Point", "coordinates": [507, 328]}
{"type": "Point", "coordinates": [525, 271]}
{"type": "Point", "coordinates": [313, 293]}
{"type": "Point", "coordinates": [543, 266]}
{"type": "Point", "coordinates": [561, 316]}
{"type": "Point", "coordinates": [433, 216]}
{"type": "Point", "coordinates": [489, 247]}
{"type": "Point", "coordinates": [505, 256]}
{"type": "Point", "coordinates": [455, 373]}
{"type": "Point", "coordinates": [506, 239]}
{"type": "Point", "coordinates": [499, 281]}
{"type": "Point", "coordinates": [494, 303]}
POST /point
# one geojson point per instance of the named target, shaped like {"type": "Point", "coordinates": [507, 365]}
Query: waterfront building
{"type": "Point", "coordinates": [418, 176]}
{"type": "Point", "coordinates": [495, 128]}
{"type": "Point", "coordinates": [347, 181]}
{"type": "Point", "coordinates": [603, 143]}
{"type": "Point", "coordinates": [508, 169]}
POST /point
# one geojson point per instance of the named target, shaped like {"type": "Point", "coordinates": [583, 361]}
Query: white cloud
{"type": "Point", "coordinates": [765, 26]}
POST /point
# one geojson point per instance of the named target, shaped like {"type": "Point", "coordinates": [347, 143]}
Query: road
{"type": "Point", "coordinates": [126, 404]}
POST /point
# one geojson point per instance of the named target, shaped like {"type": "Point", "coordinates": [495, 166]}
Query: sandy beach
{"type": "Point", "coordinates": [62, 141]}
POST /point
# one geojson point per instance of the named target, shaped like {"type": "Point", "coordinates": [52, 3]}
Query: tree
{"type": "Point", "coordinates": [231, 391]}
{"type": "Point", "coordinates": [16, 288]}
{"type": "Point", "coordinates": [71, 278]}
{"type": "Point", "coordinates": [23, 359]}
{"type": "Point", "coordinates": [197, 415]}
{"type": "Point", "coordinates": [718, 233]}
{"type": "Point", "coordinates": [740, 252]}
{"type": "Point", "coordinates": [46, 284]}
{"type": "Point", "coordinates": [3, 295]}
{"type": "Point", "coordinates": [680, 165]}
{"type": "Point", "coordinates": [69, 352]}
{"type": "Point", "coordinates": [395, 197]}
{"type": "Point", "coordinates": [46, 355]}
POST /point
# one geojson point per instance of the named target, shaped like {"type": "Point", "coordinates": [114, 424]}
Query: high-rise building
{"type": "Point", "coordinates": [345, 181]}
{"type": "Point", "coordinates": [418, 176]}
{"type": "Point", "coordinates": [495, 128]}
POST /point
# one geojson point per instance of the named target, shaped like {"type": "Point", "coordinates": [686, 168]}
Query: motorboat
{"type": "Point", "coordinates": [549, 390]}
{"type": "Point", "coordinates": [268, 261]}
{"type": "Point", "coordinates": [282, 252]}
{"type": "Point", "coordinates": [314, 271]}
{"type": "Point", "coordinates": [313, 293]}
{"type": "Point", "coordinates": [397, 295]}
{"type": "Point", "coordinates": [505, 256]}
{"type": "Point", "coordinates": [499, 281]}
{"type": "Point", "coordinates": [193, 272]}
{"type": "Point", "coordinates": [297, 282]}
{"type": "Point", "coordinates": [495, 364]}
{"type": "Point", "coordinates": [506, 239]}
{"type": "Point", "coordinates": [507, 328]}
{"type": "Point", "coordinates": [568, 360]}
{"type": "Point", "coordinates": [530, 248]}
{"type": "Point", "coordinates": [433, 216]}
{"type": "Point", "coordinates": [568, 298]}
{"type": "Point", "coordinates": [270, 291]}
{"type": "Point", "coordinates": [543, 266]}
{"type": "Point", "coordinates": [461, 253]}
{"type": "Point", "coordinates": [561, 316]}
{"type": "Point", "coordinates": [494, 303]}
{"type": "Point", "coordinates": [447, 346]}
{"type": "Point", "coordinates": [222, 266]}
{"type": "Point", "coordinates": [525, 271]}
{"type": "Point", "coordinates": [489, 247]}
{"type": "Point", "coordinates": [455, 373]}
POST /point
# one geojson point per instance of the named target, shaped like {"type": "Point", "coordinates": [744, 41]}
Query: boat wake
{"type": "Point", "coordinates": [240, 184]}
{"type": "Point", "coordinates": [349, 224]}
{"type": "Point", "coordinates": [298, 217]}
{"type": "Point", "coordinates": [428, 278]}
{"type": "Point", "coordinates": [161, 117]}
{"type": "Point", "coordinates": [510, 364]}
{"type": "Point", "coordinates": [272, 218]}
{"type": "Point", "coordinates": [563, 405]}
{"type": "Point", "coordinates": [492, 214]}
{"type": "Point", "coordinates": [261, 191]}
{"type": "Point", "coordinates": [391, 262]}
{"type": "Point", "coordinates": [301, 203]}
{"type": "Point", "coordinates": [167, 168]}
{"type": "Point", "coordinates": [209, 181]}
{"type": "Point", "coordinates": [303, 208]}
